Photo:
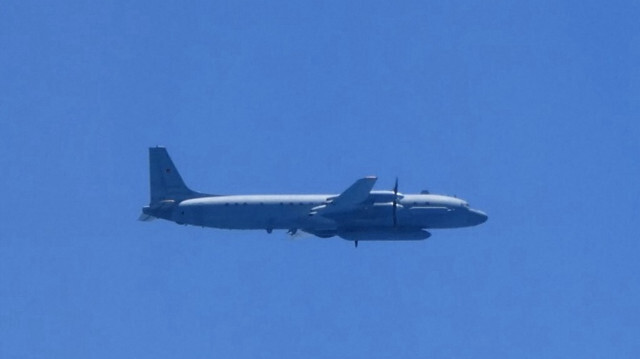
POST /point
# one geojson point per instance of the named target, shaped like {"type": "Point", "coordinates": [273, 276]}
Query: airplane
{"type": "Point", "coordinates": [357, 214]}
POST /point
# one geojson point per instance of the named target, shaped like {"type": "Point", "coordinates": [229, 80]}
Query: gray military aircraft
{"type": "Point", "coordinates": [357, 214]}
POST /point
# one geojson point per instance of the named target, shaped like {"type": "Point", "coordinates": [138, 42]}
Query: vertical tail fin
{"type": "Point", "coordinates": [165, 180]}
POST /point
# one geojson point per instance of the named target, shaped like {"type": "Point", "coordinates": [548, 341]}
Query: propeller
{"type": "Point", "coordinates": [395, 203]}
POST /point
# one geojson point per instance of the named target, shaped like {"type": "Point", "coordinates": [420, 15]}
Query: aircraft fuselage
{"type": "Point", "coordinates": [289, 212]}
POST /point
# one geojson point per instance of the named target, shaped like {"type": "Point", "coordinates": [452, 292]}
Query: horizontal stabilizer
{"type": "Point", "coordinates": [145, 217]}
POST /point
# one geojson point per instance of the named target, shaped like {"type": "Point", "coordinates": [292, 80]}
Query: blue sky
{"type": "Point", "coordinates": [528, 110]}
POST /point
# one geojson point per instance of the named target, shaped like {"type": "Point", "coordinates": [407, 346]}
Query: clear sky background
{"type": "Point", "coordinates": [528, 110]}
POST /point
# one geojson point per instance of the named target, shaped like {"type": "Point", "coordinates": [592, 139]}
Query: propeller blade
{"type": "Point", "coordinates": [395, 203]}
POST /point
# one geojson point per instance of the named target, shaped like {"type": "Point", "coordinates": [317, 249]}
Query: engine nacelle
{"type": "Point", "coordinates": [384, 196]}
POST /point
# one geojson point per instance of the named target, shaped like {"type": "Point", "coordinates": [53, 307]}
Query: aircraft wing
{"type": "Point", "coordinates": [356, 194]}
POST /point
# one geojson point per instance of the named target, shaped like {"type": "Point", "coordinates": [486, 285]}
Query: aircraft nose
{"type": "Point", "coordinates": [477, 217]}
